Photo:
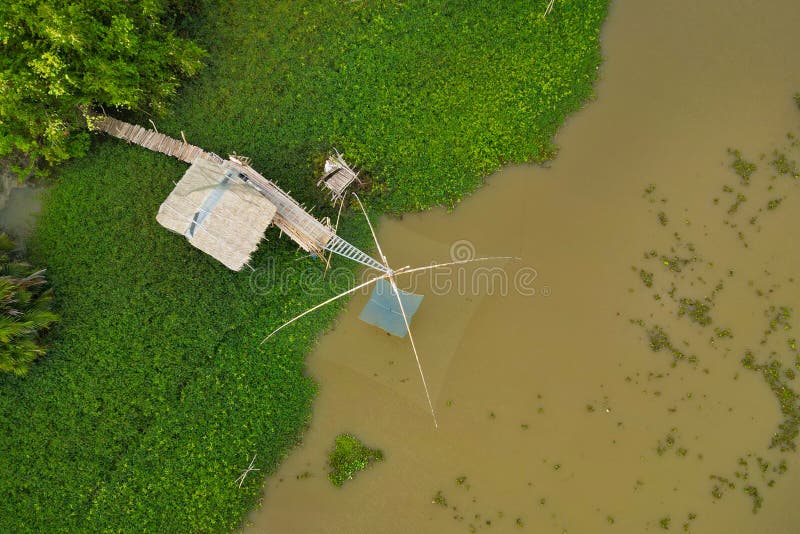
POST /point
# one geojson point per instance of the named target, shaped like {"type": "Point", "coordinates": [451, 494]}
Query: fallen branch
{"type": "Point", "coordinates": [246, 472]}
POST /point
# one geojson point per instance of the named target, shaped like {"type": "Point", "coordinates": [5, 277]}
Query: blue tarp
{"type": "Point", "coordinates": [383, 310]}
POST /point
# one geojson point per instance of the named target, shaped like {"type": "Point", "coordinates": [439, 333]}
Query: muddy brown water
{"type": "Point", "coordinates": [550, 401]}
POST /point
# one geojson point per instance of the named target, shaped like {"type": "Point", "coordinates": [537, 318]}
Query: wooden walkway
{"type": "Point", "coordinates": [291, 217]}
{"type": "Point", "coordinates": [155, 141]}
{"type": "Point", "coordinates": [304, 229]}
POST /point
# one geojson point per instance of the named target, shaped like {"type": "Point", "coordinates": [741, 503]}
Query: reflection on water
{"type": "Point", "coordinates": [611, 396]}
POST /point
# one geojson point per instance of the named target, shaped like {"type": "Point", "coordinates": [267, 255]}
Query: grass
{"type": "Point", "coordinates": [155, 392]}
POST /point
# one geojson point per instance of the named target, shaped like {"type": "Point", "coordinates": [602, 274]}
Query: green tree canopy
{"type": "Point", "coordinates": [59, 59]}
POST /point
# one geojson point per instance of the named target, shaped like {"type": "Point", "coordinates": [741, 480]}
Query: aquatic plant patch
{"type": "Point", "coordinates": [348, 457]}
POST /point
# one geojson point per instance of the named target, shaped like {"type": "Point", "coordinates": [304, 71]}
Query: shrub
{"type": "Point", "coordinates": [24, 311]}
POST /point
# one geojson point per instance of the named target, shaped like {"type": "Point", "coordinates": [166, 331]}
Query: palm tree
{"type": "Point", "coordinates": [25, 302]}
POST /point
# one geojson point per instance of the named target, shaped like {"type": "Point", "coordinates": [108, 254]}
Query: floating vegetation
{"type": "Point", "coordinates": [675, 263]}
{"type": "Point", "coordinates": [696, 310]}
{"type": "Point", "coordinates": [758, 500]}
{"type": "Point", "coordinates": [723, 332]}
{"type": "Point", "coordinates": [784, 166]}
{"type": "Point", "coordinates": [772, 204]}
{"type": "Point", "coordinates": [688, 523]}
{"type": "Point", "coordinates": [721, 486]}
{"type": "Point", "coordinates": [779, 367]}
{"type": "Point", "coordinates": [784, 438]}
{"type": "Point", "coordinates": [780, 318]}
{"type": "Point", "coordinates": [348, 457]}
{"type": "Point", "coordinates": [740, 199]}
{"type": "Point", "coordinates": [741, 166]}
{"type": "Point", "coordinates": [664, 446]}
{"type": "Point", "coordinates": [659, 340]}
{"type": "Point", "coordinates": [670, 443]}
{"type": "Point", "coordinates": [466, 509]}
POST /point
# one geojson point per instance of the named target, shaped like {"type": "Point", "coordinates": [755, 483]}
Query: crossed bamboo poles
{"type": "Point", "coordinates": [390, 274]}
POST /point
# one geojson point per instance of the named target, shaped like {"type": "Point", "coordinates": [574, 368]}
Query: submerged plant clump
{"type": "Point", "coordinates": [348, 457]}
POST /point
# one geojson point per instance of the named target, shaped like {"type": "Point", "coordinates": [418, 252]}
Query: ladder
{"type": "Point", "coordinates": [339, 246]}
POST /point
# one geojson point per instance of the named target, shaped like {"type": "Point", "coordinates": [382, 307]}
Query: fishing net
{"type": "Point", "coordinates": [383, 310]}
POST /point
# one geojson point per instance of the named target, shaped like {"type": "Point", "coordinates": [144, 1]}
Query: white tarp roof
{"type": "Point", "coordinates": [217, 212]}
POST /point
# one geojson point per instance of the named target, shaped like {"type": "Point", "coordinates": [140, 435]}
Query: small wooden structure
{"type": "Point", "coordinates": [153, 140]}
{"type": "Point", "coordinates": [224, 206]}
{"type": "Point", "coordinates": [338, 176]}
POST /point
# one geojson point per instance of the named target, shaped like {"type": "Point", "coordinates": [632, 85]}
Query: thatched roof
{"type": "Point", "coordinates": [217, 212]}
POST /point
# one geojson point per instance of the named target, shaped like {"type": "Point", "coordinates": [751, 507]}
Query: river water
{"type": "Point", "coordinates": [549, 397]}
